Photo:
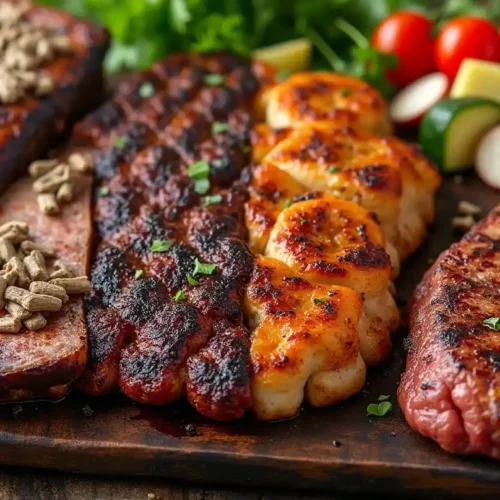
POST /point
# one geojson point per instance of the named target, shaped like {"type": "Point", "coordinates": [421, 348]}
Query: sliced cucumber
{"type": "Point", "coordinates": [451, 130]}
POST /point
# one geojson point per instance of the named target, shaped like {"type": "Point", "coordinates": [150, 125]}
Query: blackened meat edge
{"type": "Point", "coordinates": [159, 330]}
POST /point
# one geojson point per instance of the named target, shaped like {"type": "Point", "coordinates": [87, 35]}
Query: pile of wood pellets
{"type": "Point", "coordinates": [29, 288]}
{"type": "Point", "coordinates": [56, 181]}
{"type": "Point", "coordinates": [24, 49]}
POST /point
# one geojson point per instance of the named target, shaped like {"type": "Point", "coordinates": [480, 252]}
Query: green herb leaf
{"type": "Point", "coordinates": [203, 268]}
{"type": "Point", "coordinates": [219, 128]}
{"type": "Point", "coordinates": [214, 79]}
{"type": "Point", "coordinates": [492, 323]}
{"type": "Point", "coordinates": [212, 199]}
{"type": "Point", "coordinates": [287, 204]}
{"type": "Point", "coordinates": [383, 397]}
{"type": "Point", "coordinates": [120, 142]}
{"type": "Point", "coordinates": [202, 186]}
{"type": "Point", "coordinates": [192, 281]}
{"type": "Point", "coordinates": [303, 220]}
{"type": "Point", "coordinates": [161, 245]}
{"type": "Point", "coordinates": [146, 90]}
{"type": "Point", "coordinates": [246, 149]}
{"type": "Point", "coordinates": [179, 296]}
{"type": "Point", "coordinates": [380, 409]}
{"type": "Point", "coordinates": [139, 273]}
{"type": "Point", "coordinates": [199, 170]}
{"type": "Point", "coordinates": [333, 169]}
{"type": "Point", "coordinates": [319, 301]}
{"type": "Point", "coordinates": [102, 192]}
{"type": "Point", "coordinates": [345, 92]}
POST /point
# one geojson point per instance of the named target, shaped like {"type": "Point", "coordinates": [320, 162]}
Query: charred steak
{"type": "Point", "coordinates": [30, 126]}
{"type": "Point", "coordinates": [450, 391]}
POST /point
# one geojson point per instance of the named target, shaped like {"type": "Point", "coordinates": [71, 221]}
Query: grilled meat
{"type": "Point", "coordinates": [337, 242]}
{"type": "Point", "coordinates": [385, 175]}
{"type": "Point", "coordinates": [340, 99]}
{"type": "Point", "coordinates": [180, 306]}
{"type": "Point", "coordinates": [32, 363]}
{"type": "Point", "coordinates": [450, 391]}
{"type": "Point", "coordinates": [28, 128]}
{"type": "Point", "coordinates": [153, 346]}
{"type": "Point", "coordinates": [304, 341]}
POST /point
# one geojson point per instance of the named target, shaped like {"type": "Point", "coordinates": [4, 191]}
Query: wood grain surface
{"type": "Point", "coordinates": [26, 484]}
{"type": "Point", "coordinates": [114, 436]}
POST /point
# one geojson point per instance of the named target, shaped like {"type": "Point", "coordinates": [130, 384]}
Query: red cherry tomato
{"type": "Point", "coordinates": [464, 37]}
{"type": "Point", "coordinates": [408, 35]}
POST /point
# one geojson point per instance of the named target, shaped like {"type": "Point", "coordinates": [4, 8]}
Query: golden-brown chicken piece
{"type": "Point", "coordinates": [337, 242]}
{"type": "Point", "coordinates": [271, 190]}
{"type": "Point", "coordinates": [341, 99]}
{"type": "Point", "coordinates": [264, 139]}
{"type": "Point", "coordinates": [305, 342]}
{"type": "Point", "coordinates": [385, 175]}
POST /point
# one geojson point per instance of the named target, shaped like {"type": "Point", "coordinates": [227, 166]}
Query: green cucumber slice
{"type": "Point", "coordinates": [451, 130]}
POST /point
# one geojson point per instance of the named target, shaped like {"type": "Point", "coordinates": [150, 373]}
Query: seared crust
{"type": "Point", "coordinates": [304, 341]}
{"type": "Point", "coordinates": [29, 128]}
{"type": "Point", "coordinates": [450, 391]}
{"type": "Point", "coordinates": [383, 174]}
{"type": "Point", "coordinates": [55, 355]}
{"type": "Point", "coordinates": [154, 349]}
{"type": "Point", "coordinates": [339, 99]}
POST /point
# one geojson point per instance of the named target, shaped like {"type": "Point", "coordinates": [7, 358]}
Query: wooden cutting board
{"type": "Point", "coordinates": [111, 435]}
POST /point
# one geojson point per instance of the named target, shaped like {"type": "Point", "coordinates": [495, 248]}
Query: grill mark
{"type": "Point", "coordinates": [152, 198]}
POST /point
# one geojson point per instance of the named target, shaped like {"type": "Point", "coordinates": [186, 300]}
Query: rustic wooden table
{"type": "Point", "coordinates": [31, 484]}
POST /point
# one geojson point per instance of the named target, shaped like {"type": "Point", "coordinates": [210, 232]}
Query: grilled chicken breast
{"type": "Point", "coordinates": [383, 174]}
{"type": "Point", "coordinates": [304, 342]}
{"type": "Point", "coordinates": [450, 391]}
{"type": "Point", "coordinates": [339, 99]}
{"type": "Point", "coordinates": [337, 242]}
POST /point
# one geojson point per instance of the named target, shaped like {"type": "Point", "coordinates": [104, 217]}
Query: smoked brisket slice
{"type": "Point", "coordinates": [30, 127]}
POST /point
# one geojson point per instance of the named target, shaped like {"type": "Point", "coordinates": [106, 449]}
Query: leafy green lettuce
{"type": "Point", "coordinates": [144, 30]}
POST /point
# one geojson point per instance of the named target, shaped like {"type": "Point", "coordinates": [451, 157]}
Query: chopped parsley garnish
{"type": "Point", "coordinates": [179, 296]}
{"type": "Point", "coordinates": [212, 199]}
{"type": "Point", "coordinates": [333, 169]}
{"type": "Point", "coordinates": [199, 170]}
{"type": "Point", "coordinates": [303, 220]}
{"type": "Point", "coordinates": [383, 397]}
{"type": "Point", "coordinates": [214, 79]}
{"type": "Point", "coordinates": [120, 142]}
{"type": "Point", "coordinates": [202, 268]}
{"type": "Point", "coordinates": [319, 301]}
{"type": "Point", "coordinates": [219, 128]}
{"type": "Point", "coordinates": [103, 192]}
{"type": "Point", "coordinates": [287, 204]}
{"type": "Point", "coordinates": [492, 323]}
{"type": "Point", "coordinates": [283, 74]}
{"type": "Point", "coordinates": [202, 186]}
{"type": "Point", "coordinates": [192, 281]}
{"type": "Point", "coordinates": [246, 149]}
{"type": "Point", "coordinates": [146, 90]}
{"type": "Point", "coordinates": [379, 409]}
{"type": "Point", "coordinates": [161, 245]}
{"type": "Point", "coordinates": [345, 92]}
{"type": "Point", "coordinates": [139, 273]}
